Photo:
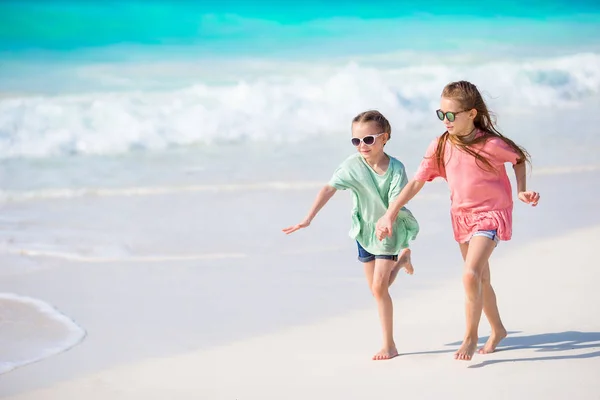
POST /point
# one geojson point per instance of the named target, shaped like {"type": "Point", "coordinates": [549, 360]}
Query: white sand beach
{"type": "Point", "coordinates": [302, 325]}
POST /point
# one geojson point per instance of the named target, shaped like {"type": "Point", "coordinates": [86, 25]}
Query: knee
{"type": "Point", "coordinates": [379, 289]}
{"type": "Point", "coordinates": [471, 278]}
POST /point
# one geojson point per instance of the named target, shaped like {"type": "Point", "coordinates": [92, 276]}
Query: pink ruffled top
{"type": "Point", "coordinates": [481, 199]}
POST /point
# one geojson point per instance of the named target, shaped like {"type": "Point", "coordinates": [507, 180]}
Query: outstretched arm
{"type": "Point", "coordinates": [385, 223]}
{"type": "Point", "coordinates": [528, 197]}
{"type": "Point", "coordinates": [322, 198]}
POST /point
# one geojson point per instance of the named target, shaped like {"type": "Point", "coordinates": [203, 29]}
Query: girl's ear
{"type": "Point", "coordinates": [473, 113]}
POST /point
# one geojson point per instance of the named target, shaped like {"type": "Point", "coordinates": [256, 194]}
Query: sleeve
{"type": "Point", "coordinates": [428, 169]}
{"type": "Point", "coordinates": [502, 151]}
{"type": "Point", "coordinates": [400, 180]}
{"type": "Point", "coordinates": [340, 179]}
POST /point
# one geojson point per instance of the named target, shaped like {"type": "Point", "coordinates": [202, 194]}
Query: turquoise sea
{"type": "Point", "coordinates": [110, 77]}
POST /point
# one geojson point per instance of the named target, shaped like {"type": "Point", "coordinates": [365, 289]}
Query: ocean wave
{"type": "Point", "coordinates": [32, 330]}
{"type": "Point", "coordinates": [19, 196]}
{"type": "Point", "coordinates": [288, 107]}
{"type": "Point", "coordinates": [71, 256]}
{"type": "Point", "coordinates": [67, 193]}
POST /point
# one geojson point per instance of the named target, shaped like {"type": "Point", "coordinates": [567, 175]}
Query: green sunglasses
{"type": "Point", "coordinates": [450, 115]}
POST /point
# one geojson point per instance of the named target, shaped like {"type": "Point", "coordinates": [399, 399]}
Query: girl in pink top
{"type": "Point", "coordinates": [470, 156]}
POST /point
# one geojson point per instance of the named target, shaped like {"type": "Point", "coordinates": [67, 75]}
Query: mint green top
{"type": "Point", "coordinates": [372, 194]}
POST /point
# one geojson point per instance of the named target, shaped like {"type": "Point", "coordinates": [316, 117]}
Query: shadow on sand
{"type": "Point", "coordinates": [541, 343]}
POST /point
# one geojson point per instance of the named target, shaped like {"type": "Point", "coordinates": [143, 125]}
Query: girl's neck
{"type": "Point", "coordinates": [380, 160]}
{"type": "Point", "coordinates": [470, 135]}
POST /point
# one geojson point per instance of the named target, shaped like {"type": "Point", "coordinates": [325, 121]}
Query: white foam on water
{"type": "Point", "coordinates": [284, 108]}
{"type": "Point", "coordinates": [70, 256]}
{"type": "Point", "coordinates": [17, 196]}
{"type": "Point", "coordinates": [566, 170]}
{"type": "Point", "coordinates": [32, 330]}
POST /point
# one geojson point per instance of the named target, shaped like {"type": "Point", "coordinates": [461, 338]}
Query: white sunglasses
{"type": "Point", "coordinates": [368, 140]}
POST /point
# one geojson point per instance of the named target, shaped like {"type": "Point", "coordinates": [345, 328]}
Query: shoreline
{"type": "Point", "coordinates": [332, 357]}
{"type": "Point", "coordinates": [23, 317]}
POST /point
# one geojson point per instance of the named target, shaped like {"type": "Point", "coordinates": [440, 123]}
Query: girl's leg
{"type": "Point", "coordinates": [369, 269]}
{"type": "Point", "coordinates": [405, 262]}
{"type": "Point", "coordinates": [478, 253]}
{"type": "Point", "coordinates": [378, 276]}
{"type": "Point", "coordinates": [490, 307]}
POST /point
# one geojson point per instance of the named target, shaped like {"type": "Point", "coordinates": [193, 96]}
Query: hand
{"type": "Point", "coordinates": [529, 197]}
{"type": "Point", "coordinates": [294, 228]}
{"type": "Point", "coordinates": [383, 228]}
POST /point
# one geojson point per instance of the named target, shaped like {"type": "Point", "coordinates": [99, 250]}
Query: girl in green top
{"type": "Point", "coordinates": [375, 180]}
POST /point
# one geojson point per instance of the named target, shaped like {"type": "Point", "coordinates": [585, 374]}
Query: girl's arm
{"type": "Point", "coordinates": [528, 197]}
{"type": "Point", "coordinates": [385, 223]}
{"type": "Point", "coordinates": [322, 198]}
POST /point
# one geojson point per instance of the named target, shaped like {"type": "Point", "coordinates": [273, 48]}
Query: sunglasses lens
{"type": "Point", "coordinates": [369, 140]}
{"type": "Point", "coordinates": [440, 115]}
{"type": "Point", "coordinates": [450, 116]}
{"type": "Point", "coordinates": [355, 141]}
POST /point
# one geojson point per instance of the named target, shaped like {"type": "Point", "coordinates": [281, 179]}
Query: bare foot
{"type": "Point", "coordinates": [386, 353]}
{"type": "Point", "coordinates": [466, 350]}
{"type": "Point", "coordinates": [492, 342]}
{"type": "Point", "coordinates": [405, 262]}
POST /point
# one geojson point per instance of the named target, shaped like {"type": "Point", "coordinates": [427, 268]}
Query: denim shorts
{"type": "Point", "coordinates": [490, 234]}
{"type": "Point", "coordinates": [365, 257]}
